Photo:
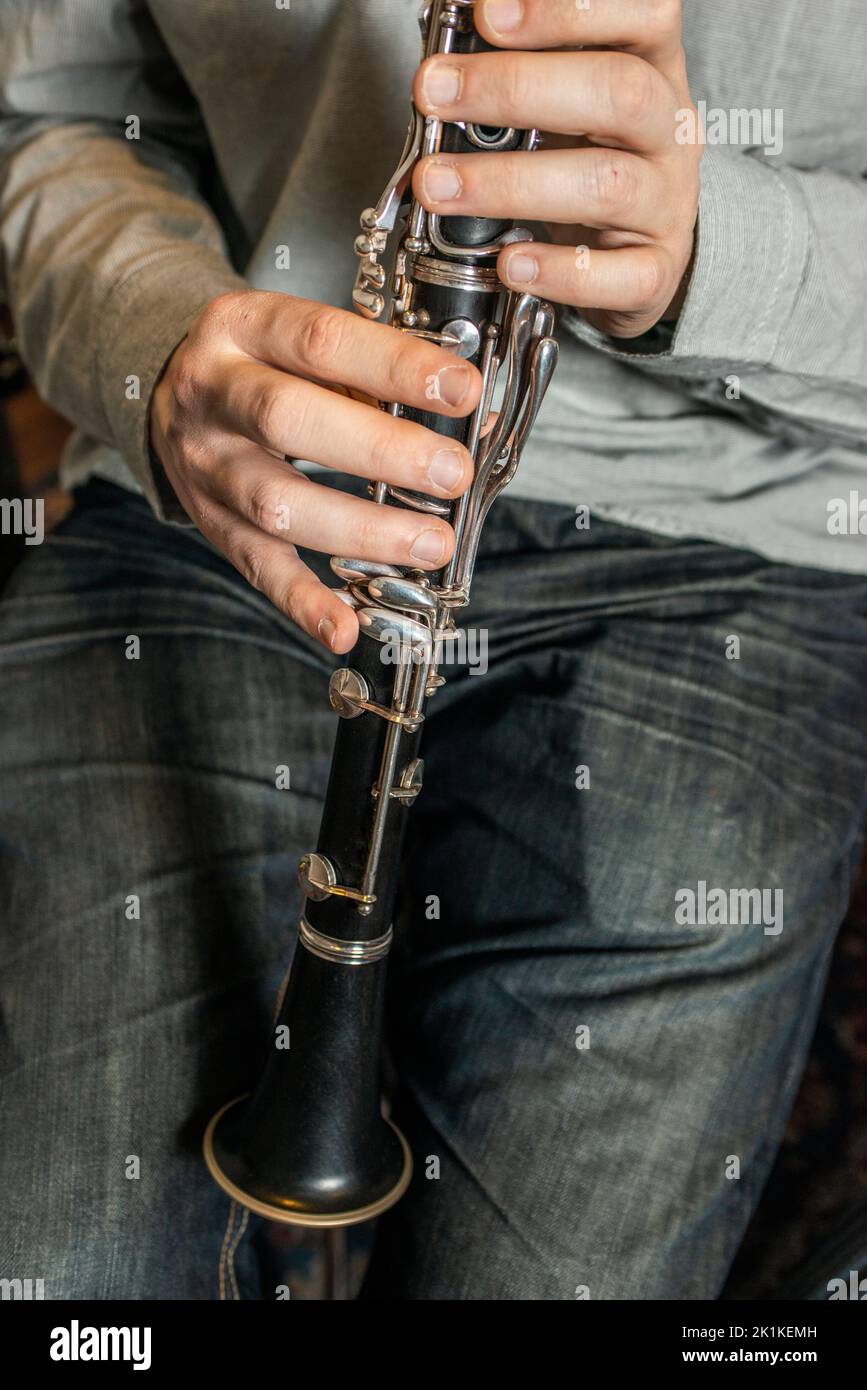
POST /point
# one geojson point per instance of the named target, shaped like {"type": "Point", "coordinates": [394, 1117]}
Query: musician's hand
{"type": "Point", "coordinates": [618, 188]}
{"type": "Point", "coordinates": [260, 376]}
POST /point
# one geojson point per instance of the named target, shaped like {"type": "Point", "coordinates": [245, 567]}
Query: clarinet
{"type": "Point", "coordinates": [311, 1146]}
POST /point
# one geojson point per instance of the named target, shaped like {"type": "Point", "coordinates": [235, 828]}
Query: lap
{"type": "Point", "coordinates": [147, 783]}
{"type": "Point", "coordinates": [629, 1167]}
{"type": "Point", "coordinates": [151, 705]}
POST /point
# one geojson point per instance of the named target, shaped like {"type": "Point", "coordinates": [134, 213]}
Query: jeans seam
{"type": "Point", "coordinates": [227, 1253]}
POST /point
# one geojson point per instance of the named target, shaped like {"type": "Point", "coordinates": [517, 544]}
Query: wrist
{"type": "Point", "coordinates": [159, 409]}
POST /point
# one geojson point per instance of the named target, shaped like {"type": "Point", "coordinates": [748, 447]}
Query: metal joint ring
{"type": "Point", "coordinates": [343, 952]}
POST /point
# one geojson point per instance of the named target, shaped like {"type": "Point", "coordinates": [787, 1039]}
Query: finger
{"type": "Point", "coordinates": [356, 395]}
{"type": "Point", "coordinates": [290, 415]}
{"type": "Point", "coordinates": [637, 281]}
{"type": "Point", "coordinates": [616, 98]}
{"type": "Point", "coordinates": [594, 187]}
{"type": "Point", "coordinates": [650, 28]}
{"type": "Point", "coordinates": [281, 502]}
{"type": "Point", "coordinates": [332, 345]}
{"type": "Point", "coordinates": [275, 570]}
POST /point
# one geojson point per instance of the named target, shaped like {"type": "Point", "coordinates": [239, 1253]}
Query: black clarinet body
{"type": "Point", "coordinates": [311, 1145]}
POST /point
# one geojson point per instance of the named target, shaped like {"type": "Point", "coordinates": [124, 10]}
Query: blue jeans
{"type": "Point", "coordinates": [594, 1077]}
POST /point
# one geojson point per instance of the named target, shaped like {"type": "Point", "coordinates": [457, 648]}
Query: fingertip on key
{"type": "Point", "coordinates": [503, 16]}
{"type": "Point", "coordinates": [446, 469]}
{"type": "Point", "coordinates": [441, 84]}
{"type": "Point", "coordinates": [452, 385]}
{"type": "Point", "coordinates": [429, 547]}
{"type": "Point", "coordinates": [522, 269]}
{"type": "Point", "coordinates": [337, 637]}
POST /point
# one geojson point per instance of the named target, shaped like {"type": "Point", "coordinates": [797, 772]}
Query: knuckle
{"type": "Point", "coordinates": [265, 411]}
{"type": "Point", "coordinates": [286, 599]}
{"type": "Point", "coordinates": [381, 453]}
{"type": "Point", "coordinates": [516, 83]}
{"type": "Point", "coordinates": [249, 560]}
{"type": "Point", "coordinates": [613, 183]}
{"type": "Point", "coordinates": [193, 452]}
{"type": "Point", "coordinates": [623, 324]}
{"type": "Point", "coordinates": [299, 600]}
{"type": "Point", "coordinates": [520, 181]}
{"type": "Point", "coordinates": [187, 448]}
{"type": "Point", "coordinates": [695, 155]}
{"type": "Point", "coordinates": [373, 532]}
{"type": "Point", "coordinates": [174, 434]}
{"type": "Point", "coordinates": [265, 502]}
{"type": "Point", "coordinates": [669, 226]}
{"type": "Point", "coordinates": [649, 281]}
{"type": "Point", "coordinates": [632, 87]}
{"type": "Point", "coordinates": [667, 16]}
{"type": "Point", "coordinates": [208, 518]}
{"type": "Point", "coordinates": [321, 336]}
{"type": "Point", "coordinates": [403, 365]}
{"type": "Point", "coordinates": [218, 315]}
{"type": "Point", "coordinates": [188, 383]}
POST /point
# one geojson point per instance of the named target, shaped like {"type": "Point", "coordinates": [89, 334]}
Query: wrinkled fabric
{"type": "Point", "coordinates": [147, 857]}
{"type": "Point", "coordinates": [263, 133]}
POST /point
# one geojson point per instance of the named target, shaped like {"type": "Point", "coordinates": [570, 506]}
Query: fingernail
{"type": "Point", "coordinates": [441, 182]}
{"type": "Point", "coordinates": [445, 469]}
{"type": "Point", "coordinates": [429, 545]}
{"type": "Point", "coordinates": [442, 84]}
{"type": "Point", "coordinates": [503, 15]}
{"type": "Point", "coordinates": [452, 385]}
{"type": "Point", "coordinates": [327, 630]}
{"type": "Point", "coordinates": [522, 269]}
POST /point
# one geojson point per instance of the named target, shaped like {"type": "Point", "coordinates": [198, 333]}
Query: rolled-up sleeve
{"type": "Point", "coordinates": [109, 249]}
{"type": "Point", "coordinates": [775, 301]}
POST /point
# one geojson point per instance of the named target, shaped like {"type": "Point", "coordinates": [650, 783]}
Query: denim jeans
{"type": "Point", "coordinates": [593, 1075]}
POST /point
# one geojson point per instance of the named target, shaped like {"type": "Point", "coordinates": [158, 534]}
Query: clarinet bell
{"type": "Point", "coordinates": [310, 1146]}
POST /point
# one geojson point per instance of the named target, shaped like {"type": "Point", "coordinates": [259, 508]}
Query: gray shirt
{"type": "Point", "coordinates": [260, 127]}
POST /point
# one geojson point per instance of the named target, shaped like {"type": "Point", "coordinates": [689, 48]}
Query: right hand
{"type": "Point", "coordinates": [263, 375]}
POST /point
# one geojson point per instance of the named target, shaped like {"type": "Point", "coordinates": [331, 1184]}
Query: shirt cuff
{"type": "Point", "coordinates": [752, 244]}
{"type": "Point", "coordinates": [147, 315]}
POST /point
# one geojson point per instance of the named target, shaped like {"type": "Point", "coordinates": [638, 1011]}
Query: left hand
{"type": "Point", "coordinates": [613, 182]}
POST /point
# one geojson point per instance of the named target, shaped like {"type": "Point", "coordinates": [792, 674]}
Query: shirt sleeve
{"type": "Point", "coordinates": [108, 247]}
{"type": "Point", "coordinates": [773, 325]}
